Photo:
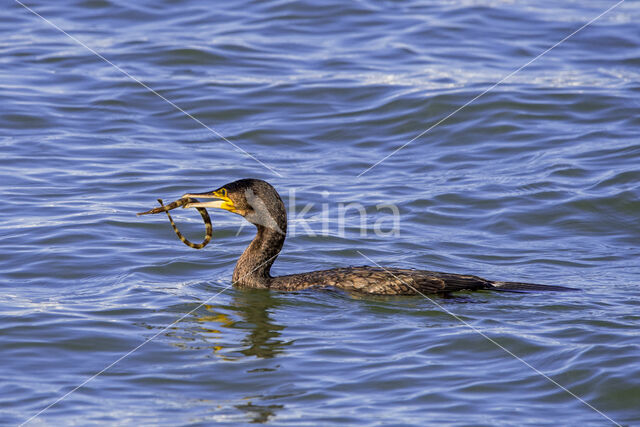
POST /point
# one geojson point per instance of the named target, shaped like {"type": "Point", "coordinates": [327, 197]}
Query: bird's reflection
{"type": "Point", "coordinates": [250, 312]}
{"type": "Point", "coordinates": [256, 306]}
{"type": "Point", "coordinates": [259, 413]}
{"type": "Point", "coordinates": [241, 329]}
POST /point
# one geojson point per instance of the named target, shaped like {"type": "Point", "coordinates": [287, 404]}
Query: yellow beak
{"type": "Point", "coordinates": [222, 200]}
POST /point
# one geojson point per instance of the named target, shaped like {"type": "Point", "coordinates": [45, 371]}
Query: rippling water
{"type": "Point", "coordinates": [536, 180]}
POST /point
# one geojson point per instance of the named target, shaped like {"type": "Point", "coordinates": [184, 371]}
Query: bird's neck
{"type": "Point", "coordinates": [254, 265]}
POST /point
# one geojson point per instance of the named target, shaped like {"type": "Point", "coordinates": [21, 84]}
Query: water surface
{"type": "Point", "coordinates": [537, 180]}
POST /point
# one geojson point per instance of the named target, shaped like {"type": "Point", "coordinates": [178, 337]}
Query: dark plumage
{"type": "Point", "coordinates": [260, 204]}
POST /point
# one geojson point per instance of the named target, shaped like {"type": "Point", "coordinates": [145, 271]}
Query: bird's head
{"type": "Point", "coordinates": [256, 200]}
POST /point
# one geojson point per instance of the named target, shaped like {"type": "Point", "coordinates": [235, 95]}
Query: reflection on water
{"type": "Point", "coordinates": [255, 306]}
{"type": "Point", "coordinates": [249, 313]}
{"type": "Point", "coordinates": [259, 413]}
{"type": "Point", "coordinates": [238, 330]}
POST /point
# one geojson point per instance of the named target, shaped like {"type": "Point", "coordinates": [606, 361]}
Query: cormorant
{"type": "Point", "coordinates": [260, 204]}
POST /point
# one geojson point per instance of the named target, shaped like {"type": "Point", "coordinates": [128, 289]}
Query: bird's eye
{"type": "Point", "coordinates": [224, 192]}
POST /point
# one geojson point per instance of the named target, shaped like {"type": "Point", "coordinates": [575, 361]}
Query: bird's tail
{"type": "Point", "coordinates": [528, 287]}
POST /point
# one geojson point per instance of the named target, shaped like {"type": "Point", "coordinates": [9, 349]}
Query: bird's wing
{"type": "Point", "coordinates": [381, 281]}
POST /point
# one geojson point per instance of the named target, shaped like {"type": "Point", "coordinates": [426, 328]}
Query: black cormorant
{"type": "Point", "coordinates": [260, 204]}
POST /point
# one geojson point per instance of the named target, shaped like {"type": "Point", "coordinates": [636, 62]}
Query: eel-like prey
{"type": "Point", "coordinates": [176, 204]}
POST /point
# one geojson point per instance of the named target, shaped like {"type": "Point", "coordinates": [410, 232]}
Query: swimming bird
{"type": "Point", "coordinates": [260, 204]}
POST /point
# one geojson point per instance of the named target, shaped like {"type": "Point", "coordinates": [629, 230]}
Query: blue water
{"type": "Point", "coordinates": [536, 180]}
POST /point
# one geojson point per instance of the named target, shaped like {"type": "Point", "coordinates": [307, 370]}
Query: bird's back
{"type": "Point", "coordinates": [381, 281]}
